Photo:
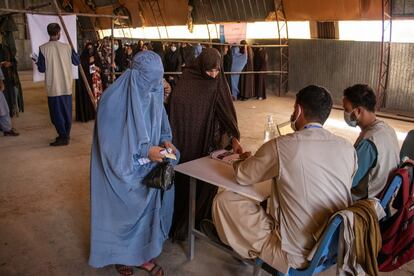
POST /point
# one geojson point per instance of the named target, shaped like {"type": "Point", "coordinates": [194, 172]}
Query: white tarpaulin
{"type": "Point", "coordinates": [235, 32]}
{"type": "Point", "coordinates": [38, 36]}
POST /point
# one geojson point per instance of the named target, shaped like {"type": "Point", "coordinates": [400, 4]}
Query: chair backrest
{"type": "Point", "coordinates": [390, 190]}
{"type": "Point", "coordinates": [327, 251]}
{"type": "Point", "coordinates": [407, 149]}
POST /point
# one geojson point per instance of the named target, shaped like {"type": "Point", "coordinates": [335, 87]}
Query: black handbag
{"type": "Point", "coordinates": [161, 177]}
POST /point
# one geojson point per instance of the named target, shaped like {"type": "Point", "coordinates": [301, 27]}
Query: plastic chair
{"type": "Point", "coordinates": [392, 188]}
{"type": "Point", "coordinates": [325, 255]}
{"type": "Point", "coordinates": [407, 148]}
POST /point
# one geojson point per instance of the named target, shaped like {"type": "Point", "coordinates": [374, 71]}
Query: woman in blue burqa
{"type": "Point", "coordinates": [239, 56]}
{"type": "Point", "coordinates": [129, 221]}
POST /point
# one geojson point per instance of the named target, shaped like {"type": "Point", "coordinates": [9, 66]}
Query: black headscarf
{"type": "Point", "coordinates": [119, 57]}
{"type": "Point", "coordinates": [85, 110]}
{"type": "Point", "coordinates": [158, 48]}
{"type": "Point", "coordinates": [198, 103]}
{"type": "Point", "coordinates": [173, 60]}
{"type": "Point", "coordinates": [188, 54]}
{"type": "Point", "coordinates": [201, 112]}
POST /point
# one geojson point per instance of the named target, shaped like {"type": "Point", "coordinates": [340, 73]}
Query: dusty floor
{"type": "Point", "coordinates": [44, 194]}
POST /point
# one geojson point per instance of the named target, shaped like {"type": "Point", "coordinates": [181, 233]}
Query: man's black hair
{"type": "Point", "coordinates": [53, 29]}
{"type": "Point", "coordinates": [361, 95]}
{"type": "Point", "coordinates": [316, 103]}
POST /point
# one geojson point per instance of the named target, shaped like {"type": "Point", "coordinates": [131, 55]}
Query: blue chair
{"type": "Point", "coordinates": [392, 188]}
{"type": "Point", "coordinates": [407, 148]}
{"type": "Point", "coordinates": [325, 255]}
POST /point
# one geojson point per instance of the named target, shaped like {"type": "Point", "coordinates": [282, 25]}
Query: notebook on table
{"type": "Point", "coordinates": [284, 128]}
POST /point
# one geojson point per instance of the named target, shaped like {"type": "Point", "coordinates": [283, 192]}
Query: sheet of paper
{"type": "Point", "coordinates": [225, 156]}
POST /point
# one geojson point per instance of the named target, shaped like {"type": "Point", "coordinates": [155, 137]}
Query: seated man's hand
{"type": "Point", "coordinates": [237, 148]}
{"type": "Point", "coordinates": [245, 155]}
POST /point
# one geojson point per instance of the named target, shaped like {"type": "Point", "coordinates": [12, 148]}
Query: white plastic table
{"type": "Point", "coordinates": [222, 175]}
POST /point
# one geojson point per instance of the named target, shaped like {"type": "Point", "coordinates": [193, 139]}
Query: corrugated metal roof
{"type": "Point", "coordinates": [101, 3]}
{"type": "Point", "coordinates": [403, 8]}
{"type": "Point", "coordinates": [231, 10]}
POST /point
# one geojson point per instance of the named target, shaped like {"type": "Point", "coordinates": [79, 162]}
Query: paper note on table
{"type": "Point", "coordinates": [225, 156]}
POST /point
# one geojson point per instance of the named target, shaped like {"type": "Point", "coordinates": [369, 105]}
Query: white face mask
{"type": "Point", "coordinates": [173, 48]}
{"type": "Point", "coordinates": [348, 119]}
{"type": "Point", "coordinates": [293, 121]}
{"type": "Point", "coordinates": [116, 47]}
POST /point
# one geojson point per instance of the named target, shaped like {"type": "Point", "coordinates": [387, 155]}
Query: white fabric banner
{"type": "Point", "coordinates": [38, 36]}
{"type": "Point", "coordinates": [235, 32]}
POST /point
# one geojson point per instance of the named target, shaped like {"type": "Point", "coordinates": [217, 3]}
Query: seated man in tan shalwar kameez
{"type": "Point", "coordinates": [312, 170]}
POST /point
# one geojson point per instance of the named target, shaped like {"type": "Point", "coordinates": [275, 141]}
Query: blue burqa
{"type": "Point", "coordinates": [129, 222]}
{"type": "Point", "coordinates": [197, 50]}
{"type": "Point", "coordinates": [238, 63]}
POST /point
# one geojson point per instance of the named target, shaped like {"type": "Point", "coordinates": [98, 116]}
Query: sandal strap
{"type": "Point", "coordinates": [124, 270]}
{"type": "Point", "coordinates": [154, 271]}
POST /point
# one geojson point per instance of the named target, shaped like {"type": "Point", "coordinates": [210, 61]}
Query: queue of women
{"type": "Point", "coordinates": [130, 221]}
{"type": "Point", "coordinates": [96, 60]}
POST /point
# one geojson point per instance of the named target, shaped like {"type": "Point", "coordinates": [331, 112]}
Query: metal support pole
{"type": "Point", "coordinates": [385, 54]}
{"type": "Point", "coordinates": [162, 18]}
{"type": "Point", "coordinates": [205, 18]}
{"type": "Point", "coordinates": [208, 42]}
{"type": "Point", "coordinates": [65, 13]}
{"type": "Point", "coordinates": [113, 52]}
{"type": "Point", "coordinates": [31, 8]}
{"type": "Point", "coordinates": [269, 72]}
{"type": "Point", "coordinates": [214, 16]}
{"type": "Point", "coordinates": [191, 219]}
{"type": "Point", "coordinates": [85, 81]}
{"type": "Point", "coordinates": [155, 18]}
{"type": "Point", "coordinates": [282, 27]}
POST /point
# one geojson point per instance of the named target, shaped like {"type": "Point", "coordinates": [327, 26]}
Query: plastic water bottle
{"type": "Point", "coordinates": [270, 129]}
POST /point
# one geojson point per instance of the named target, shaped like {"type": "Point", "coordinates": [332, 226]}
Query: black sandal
{"type": "Point", "coordinates": [124, 270]}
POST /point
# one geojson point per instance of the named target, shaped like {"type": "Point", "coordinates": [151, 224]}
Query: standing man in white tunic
{"type": "Point", "coordinates": [55, 60]}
